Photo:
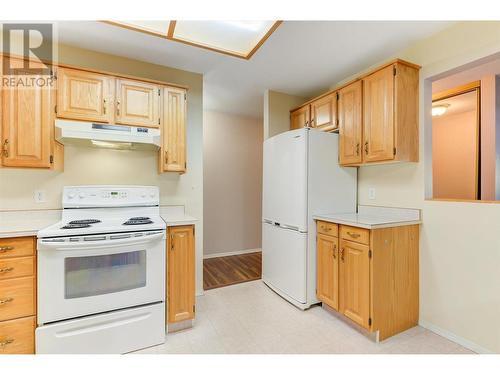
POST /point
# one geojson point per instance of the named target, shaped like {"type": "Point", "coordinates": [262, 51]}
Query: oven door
{"type": "Point", "coordinates": [97, 273]}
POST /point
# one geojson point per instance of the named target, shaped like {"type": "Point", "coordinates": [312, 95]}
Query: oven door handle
{"type": "Point", "coordinates": [51, 244]}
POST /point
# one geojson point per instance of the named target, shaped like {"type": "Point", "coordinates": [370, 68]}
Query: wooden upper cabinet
{"type": "Point", "coordinates": [180, 270]}
{"type": "Point", "coordinates": [84, 95]}
{"type": "Point", "coordinates": [173, 152]}
{"type": "Point", "coordinates": [350, 123]}
{"type": "Point", "coordinates": [137, 103]}
{"type": "Point", "coordinates": [354, 283]}
{"type": "Point", "coordinates": [327, 288]}
{"type": "Point", "coordinates": [390, 114]}
{"type": "Point", "coordinates": [378, 115]}
{"type": "Point", "coordinates": [324, 113]}
{"type": "Point", "coordinates": [300, 118]}
{"type": "Point", "coordinates": [27, 126]}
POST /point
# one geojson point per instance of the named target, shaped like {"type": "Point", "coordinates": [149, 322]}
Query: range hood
{"type": "Point", "coordinates": [121, 137]}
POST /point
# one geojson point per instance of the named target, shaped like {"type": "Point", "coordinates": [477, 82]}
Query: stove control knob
{"type": "Point", "coordinates": [143, 195]}
{"type": "Point", "coordinates": [71, 195]}
{"type": "Point", "coordinates": [81, 195]}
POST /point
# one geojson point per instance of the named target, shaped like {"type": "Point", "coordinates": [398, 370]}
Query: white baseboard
{"type": "Point", "coordinates": [455, 338]}
{"type": "Point", "coordinates": [239, 252]}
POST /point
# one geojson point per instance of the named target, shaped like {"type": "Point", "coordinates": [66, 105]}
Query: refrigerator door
{"type": "Point", "coordinates": [284, 261]}
{"type": "Point", "coordinates": [285, 179]}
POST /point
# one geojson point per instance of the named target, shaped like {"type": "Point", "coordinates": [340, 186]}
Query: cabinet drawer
{"type": "Point", "coordinates": [17, 298]}
{"type": "Point", "coordinates": [325, 227]}
{"type": "Point", "coordinates": [17, 336]}
{"type": "Point", "coordinates": [354, 234]}
{"type": "Point", "coordinates": [16, 267]}
{"type": "Point", "coordinates": [16, 247]}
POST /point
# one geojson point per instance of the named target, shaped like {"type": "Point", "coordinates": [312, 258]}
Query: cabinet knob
{"type": "Point", "coordinates": [334, 251]}
{"type": "Point", "coordinates": [342, 254]}
{"type": "Point", "coordinates": [3, 249]}
{"type": "Point", "coordinates": [357, 149]}
{"type": "Point", "coordinates": [366, 147]}
{"type": "Point", "coordinates": [4, 343]}
{"type": "Point", "coordinates": [6, 300]}
{"type": "Point", "coordinates": [5, 148]}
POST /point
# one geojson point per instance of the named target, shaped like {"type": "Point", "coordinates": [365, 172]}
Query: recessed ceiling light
{"type": "Point", "coordinates": [440, 109]}
{"type": "Point", "coordinates": [236, 38]}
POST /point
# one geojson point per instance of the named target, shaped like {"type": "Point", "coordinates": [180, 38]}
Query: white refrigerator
{"type": "Point", "coordinates": [301, 178]}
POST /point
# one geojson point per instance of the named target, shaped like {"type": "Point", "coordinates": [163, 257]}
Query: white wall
{"type": "Point", "coordinates": [460, 242]}
{"type": "Point", "coordinates": [100, 166]}
{"type": "Point", "coordinates": [232, 189]}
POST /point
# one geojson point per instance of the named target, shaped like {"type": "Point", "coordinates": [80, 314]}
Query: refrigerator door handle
{"type": "Point", "coordinates": [268, 221]}
{"type": "Point", "coordinates": [292, 227]}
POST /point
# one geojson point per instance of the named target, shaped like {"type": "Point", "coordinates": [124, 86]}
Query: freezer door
{"type": "Point", "coordinates": [284, 261]}
{"type": "Point", "coordinates": [285, 179]}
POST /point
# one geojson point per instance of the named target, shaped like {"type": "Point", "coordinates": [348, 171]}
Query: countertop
{"type": "Point", "coordinates": [373, 217]}
{"type": "Point", "coordinates": [28, 223]}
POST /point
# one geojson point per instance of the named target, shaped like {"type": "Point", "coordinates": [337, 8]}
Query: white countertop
{"type": "Point", "coordinates": [372, 217]}
{"type": "Point", "coordinates": [28, 223]}
{"type": "Point", "coordinates": [175, 216]}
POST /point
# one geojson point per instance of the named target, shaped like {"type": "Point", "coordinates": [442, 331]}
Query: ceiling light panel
{"type": "Point", "coordinates": [234, 37]}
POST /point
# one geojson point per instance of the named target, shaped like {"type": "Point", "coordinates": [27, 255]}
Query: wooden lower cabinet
{"type": "Point", "coordinates": [373, 280]}
{"type": "Point", "coordinates": [180, 274]}
{"type": "Point", "coordinates": [354, 282]}
{"type": "Point", "coordinates": [327, 289]}
{"type": "Point", "coordinates": [17, 295]}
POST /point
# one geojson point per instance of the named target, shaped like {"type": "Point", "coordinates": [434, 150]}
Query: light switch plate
{"type": "Point", "coordinates": [39, 196]}
{"type": "Point", "coordinates": [371, 193]}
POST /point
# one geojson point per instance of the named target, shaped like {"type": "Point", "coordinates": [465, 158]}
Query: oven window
{"type": "Point", "coordinates": [102, 274]}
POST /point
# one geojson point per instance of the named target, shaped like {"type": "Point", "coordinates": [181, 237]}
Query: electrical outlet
{"type": "Point", "coordinates": [39, 196]}
{"type": "Point", "coordinates": [371, 193]}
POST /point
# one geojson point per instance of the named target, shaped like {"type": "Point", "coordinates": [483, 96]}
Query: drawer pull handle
{"type": "Point", "coordinates": [4, 343]}
{"type": "Point", "coordinates": [5, 270]}
{"type": "Point", "coordinates": [6, 300]}
{"type": "Point", "coordinates": [6, 248]}
{"type": "Point", "coordinates": [353, 235]}
{"type": "Point", "coordinates": [325, 228]}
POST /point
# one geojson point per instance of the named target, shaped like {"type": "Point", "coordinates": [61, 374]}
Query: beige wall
{"type": "Point", "coordinates": [454, 155]}
{"type": "Point", "coordinates": [232, 189]}
{"type": "Point", "coordinates": [277, 108]}
{"type": "Point", "coordinates": [100, 166]}
{"type": "Point", "coordinates": [460, 242]}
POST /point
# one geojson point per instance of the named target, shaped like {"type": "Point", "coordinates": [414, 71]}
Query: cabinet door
{"type": "Point", "coordinates": [84, 95]}
{"type": "Point", "coordinates": [355, 282]}
{"type": "Point", "coordinates": [324, 113]}
{"type": "Point", "coordinates": [350, 123]}
{"type": "Point", "coordinates": [137, 103]}
{"type": "Point", "coordinates": [378, 115]}
{"type": "Point", "coordinates": [300, 118]}
{"type": "Point", "coordinates": [173, 153]}
{"type": "Point", "coordinates": [180, 275]}
{"type": "Point", "coordinates": [27, 122]}
{"type": "Point", "coordinates": [327, 288]}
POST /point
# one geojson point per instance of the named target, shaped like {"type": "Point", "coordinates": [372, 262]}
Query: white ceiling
{"type": "Point", "coordinates": [300, 58]}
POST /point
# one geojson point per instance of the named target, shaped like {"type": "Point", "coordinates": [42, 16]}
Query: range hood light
{"type": "Point", "coordinates": [113, 145]}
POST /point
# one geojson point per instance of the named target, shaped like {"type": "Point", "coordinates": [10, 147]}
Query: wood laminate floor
{"type": "Point", "coordinates": [234, 269]}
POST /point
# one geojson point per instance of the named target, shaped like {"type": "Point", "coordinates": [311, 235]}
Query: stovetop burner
{"type": "Point", "coordinates": [140, 218]}
{"type": "Point", "coordinates": [75, 226]}
{"type": "Point", "coordinates": [85, 221]}
{"type": "Point", "coordinates": [138, 221]}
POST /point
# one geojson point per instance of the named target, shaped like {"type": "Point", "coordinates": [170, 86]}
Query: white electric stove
{"type": "Point", "coordinates": [101, 272]}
